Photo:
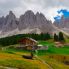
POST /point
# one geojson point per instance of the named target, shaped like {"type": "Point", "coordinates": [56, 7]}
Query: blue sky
{"type": "Point", "coordinates": [64, 12]}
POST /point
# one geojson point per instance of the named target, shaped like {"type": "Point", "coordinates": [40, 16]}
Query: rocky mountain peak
{"type": "Point", "coordinates": [27, 22]}
{"type": "Point", "coordinates": [37, 13]}
{"type": "Point", "coordinates": [29, 12]}
{"type": "Point", "coordinates": [11, 15]}
{"type": "Point", "coordinates": [2, 17]}
{"type": "Point", "coordinates": [10, 12]}
{"type": "Point", "coordinates": [63, 22]}
{"type": "Point", "coordinates": [10, 22]}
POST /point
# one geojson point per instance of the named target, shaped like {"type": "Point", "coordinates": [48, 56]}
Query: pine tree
{"type": "Point", "coordinates": [48, 36]}
{"type": "Point", "coordinates": [55, 37]}
{"type": "Point", "coordinates": [61, 37]}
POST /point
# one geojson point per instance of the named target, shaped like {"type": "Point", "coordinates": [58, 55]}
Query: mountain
{"type": "Point", "coordinates": [2, 21]}
{"type": "Point", "coordinates": [32, 21]}
{"type": "Point", "coordinates": [10, 22]}
{"type": "Point", "coordinates": [26, 23]}
{"type": "Point", "coordinates": [63, 24]}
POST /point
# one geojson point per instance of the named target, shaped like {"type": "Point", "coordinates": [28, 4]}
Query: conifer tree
{"type": "Point", "coordinates": [61, 37]}
{"type": "Point", "coordinates": [55, 37]}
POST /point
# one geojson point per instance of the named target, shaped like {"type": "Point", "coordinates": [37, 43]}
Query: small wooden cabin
{"type": "Point", "coordinates": [28, 43]}
{"type": "Point", "coordinates": [66, 44]}
{"type": "Point", "coordinates": [59, 44]}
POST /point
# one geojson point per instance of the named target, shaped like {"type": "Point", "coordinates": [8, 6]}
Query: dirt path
{"type": "Point", "coordinates": [44, 62]}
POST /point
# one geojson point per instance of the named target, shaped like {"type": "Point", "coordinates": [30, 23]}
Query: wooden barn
{"type": "Point", "coordinates": [28, 43]}
{"type": "Point", "coordinates": [59, 44]}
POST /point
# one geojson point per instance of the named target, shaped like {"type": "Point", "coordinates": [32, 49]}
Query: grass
{"type": "Point", "coordinates": [12, 57]}
{"type": "Point", "coordinates": [55, 64]}
{"type": "Point", "coordinates": [52, 49]}
{"type": "Point", "coordinates": [67, 40]}
{"type": "Point", "coordinates": [15, 60]}
{"type": "Point", "coordinates": [54, 56]}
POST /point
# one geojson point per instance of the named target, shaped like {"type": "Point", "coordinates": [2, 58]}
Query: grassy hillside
{"type": "Point", "coordinates": [13, 58]}
{"type": "Point", "coordinates": [53, 57]}
{"type": "Point", "coordinates": [52, 49]}
{"type": "Point", "coordinates": [54, 62]}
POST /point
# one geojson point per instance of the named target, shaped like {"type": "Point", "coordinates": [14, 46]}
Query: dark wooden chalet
{"type": "Point", "coordinates": [28, 43]}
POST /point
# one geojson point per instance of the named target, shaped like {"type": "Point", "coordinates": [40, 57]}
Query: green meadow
{"type": "Point", "coordinates": [12, 57]}
{"type": "Point", "coordinates": [52, 49]}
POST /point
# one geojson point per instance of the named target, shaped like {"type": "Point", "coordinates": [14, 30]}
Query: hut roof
{"type": "Point", "coordinates": [29, 39]}
{"type": "Point", "coordinates": [32, 39]}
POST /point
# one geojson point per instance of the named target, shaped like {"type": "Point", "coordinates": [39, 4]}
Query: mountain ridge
{"type": "Point", "coordinates": [28, 20]}
{"type": "Point", "coordinates": [63, 24]}
{"type": "Point", "coordinates": [26, 23]}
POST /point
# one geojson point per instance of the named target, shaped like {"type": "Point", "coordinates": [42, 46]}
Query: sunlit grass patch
{"type": "Point", "coordinates": [55, 62]}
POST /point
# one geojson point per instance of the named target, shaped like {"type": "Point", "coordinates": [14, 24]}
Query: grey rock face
{"type": "Point", "coordinates": [10, 22]}
{"type": "Point", "coordinates": [2, 21]}
{"type": "Point", "coordinates": [63, 23]}
{"type": "Point", "coordinates": [38, 20]}
{"type": "Point", "coordinates": [29, 20]}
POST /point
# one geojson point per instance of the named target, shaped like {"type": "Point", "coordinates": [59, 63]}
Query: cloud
{"type": "Point", "coordinates": [65, 12]}
{"type": "Point", "coordinates": [61, 12]}
{"type": "Point", "coordinates": [47, 7]}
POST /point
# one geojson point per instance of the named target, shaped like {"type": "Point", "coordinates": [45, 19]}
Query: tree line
{"type": "Point", "coordinates": [11, 40]}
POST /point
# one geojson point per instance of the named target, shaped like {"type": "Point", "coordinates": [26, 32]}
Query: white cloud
{"type": "Point", "coordinates": [47, 7]}
{"type": "Point", "coordinates": [52, 12]}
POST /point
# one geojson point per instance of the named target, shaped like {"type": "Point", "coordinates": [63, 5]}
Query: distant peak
{"type": "Point", "coordinates": [2, 17]}
{"type": "Point", "coordinates": [41, 14]}
{"type": "Point", "coordinates": [29, 11]}
{"type": "Point", "coordinates": [10, 13]}
{"type": "Point", "coordinates": [62, 17]}
{"type": "Point", "coordinates": [37, 13]}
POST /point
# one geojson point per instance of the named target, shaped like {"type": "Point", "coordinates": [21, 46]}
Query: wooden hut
{"type": "Point", "coordinates": [28, 43]}
{"type": "Point", "coordinates": [59, 44]}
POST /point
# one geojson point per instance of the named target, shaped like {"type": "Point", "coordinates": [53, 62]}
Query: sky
{"type": "Point", "coordinates": [52, 9]}
{"type": "Point", "coordinates": [64, 13]}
